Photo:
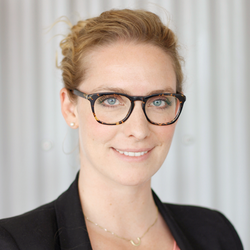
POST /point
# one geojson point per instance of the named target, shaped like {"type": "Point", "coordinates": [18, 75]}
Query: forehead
{"type": "Point", "coordinates": [134, 68]}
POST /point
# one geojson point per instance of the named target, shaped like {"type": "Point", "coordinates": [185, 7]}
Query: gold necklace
{"type": "Point", "coordinates": [123, 238]}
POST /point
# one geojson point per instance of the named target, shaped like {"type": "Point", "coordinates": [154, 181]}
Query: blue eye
{"type": "Point", "coordinates": [157, 103]}
{"type": "Point", "coordinates": [111, 101]}
{"type": "Point", "coordinates": [160, 102]}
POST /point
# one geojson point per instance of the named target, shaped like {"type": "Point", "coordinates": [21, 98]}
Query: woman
{"type": "Point", "coordinates": [123, 91]}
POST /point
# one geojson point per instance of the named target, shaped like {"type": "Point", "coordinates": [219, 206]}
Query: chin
{"type": "Point", "coordinates": [134, 182]}
{"type": "Point", "coordinates": [135, 176]}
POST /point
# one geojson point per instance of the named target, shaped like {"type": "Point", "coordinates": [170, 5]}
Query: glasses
{"type": "Point", "coordinates": [111, 108]}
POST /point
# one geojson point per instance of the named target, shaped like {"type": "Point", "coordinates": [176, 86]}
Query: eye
{"type": "Point", "coordinates": [111, 101]}
{"type": "Point", "coordinates": [158, 103]}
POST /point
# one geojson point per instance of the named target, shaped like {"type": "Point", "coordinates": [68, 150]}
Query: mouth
{"type": "Point", "coordinates": [132, 153]}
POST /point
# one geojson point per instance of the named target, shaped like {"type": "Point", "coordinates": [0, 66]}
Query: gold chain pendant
{"type": "Point", "coordinates": [136, 244]}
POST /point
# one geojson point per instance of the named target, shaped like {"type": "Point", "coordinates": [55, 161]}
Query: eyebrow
{"type": "Point", "coordinates": [122, 91]}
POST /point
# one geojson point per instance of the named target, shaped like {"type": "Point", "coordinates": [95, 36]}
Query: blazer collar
{"type": "Point", "coordinates": [72, 231]}
{"type": "Point", "coordinates": [176, 231]}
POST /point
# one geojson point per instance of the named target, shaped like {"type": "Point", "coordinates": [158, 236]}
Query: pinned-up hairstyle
{"type": "Point", "coordinates": [139, 26]}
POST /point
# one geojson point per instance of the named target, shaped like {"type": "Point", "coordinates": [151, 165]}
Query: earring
{"type": "Point", "coordinates": [72, 124]}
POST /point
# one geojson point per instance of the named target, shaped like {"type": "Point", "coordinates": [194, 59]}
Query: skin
{"type": "Point", "coordinates": [115, 189]}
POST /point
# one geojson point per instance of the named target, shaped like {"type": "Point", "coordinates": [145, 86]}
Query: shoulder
{"type": "Point", "coordinates": [35, 229]}
{"type": "Point", "coordinates": [195, 214]}
{"type": "Point", "coordinates": [205, 225]}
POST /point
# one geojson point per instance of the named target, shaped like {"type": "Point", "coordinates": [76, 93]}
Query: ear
{"type": "Point", "coordinates": [68, 109]}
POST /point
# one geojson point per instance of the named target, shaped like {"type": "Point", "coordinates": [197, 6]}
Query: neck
{"type": "Point", "coordinates": [117, 207]}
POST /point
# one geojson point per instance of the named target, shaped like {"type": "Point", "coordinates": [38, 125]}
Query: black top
{"type": "Point", "coordinates": [61, 225]}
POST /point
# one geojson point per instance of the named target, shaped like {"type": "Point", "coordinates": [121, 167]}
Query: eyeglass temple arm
{"type": "Point", "coordinates": [81, 94]}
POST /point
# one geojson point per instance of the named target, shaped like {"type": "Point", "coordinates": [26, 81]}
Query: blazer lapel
{"type": "Point", "coordinates": [177, 233]}
{"type": "Point", "coordinates": [72, 231]}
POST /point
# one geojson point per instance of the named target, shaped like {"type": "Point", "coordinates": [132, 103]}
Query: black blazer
{"type": "Point", "coordinates": [61, 225]}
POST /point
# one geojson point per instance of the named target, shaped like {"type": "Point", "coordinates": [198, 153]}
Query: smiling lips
{"type": "Point", "coordinates": [133, 154]}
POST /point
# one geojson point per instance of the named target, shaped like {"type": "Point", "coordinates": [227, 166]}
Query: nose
{"type": "Point", "coordinates": [137, 125]}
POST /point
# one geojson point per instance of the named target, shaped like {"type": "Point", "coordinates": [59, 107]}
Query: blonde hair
{"type": "Point", "coordinates": [138, 26]}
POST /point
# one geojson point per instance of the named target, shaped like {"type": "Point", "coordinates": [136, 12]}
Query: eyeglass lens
{"type": "Point", "coordinates": [114, 108]}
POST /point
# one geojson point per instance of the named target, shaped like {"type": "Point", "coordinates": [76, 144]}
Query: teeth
{"type": "Point", "coordinates": [132, 153]}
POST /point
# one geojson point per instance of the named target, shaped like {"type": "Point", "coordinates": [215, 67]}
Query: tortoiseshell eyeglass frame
{"type": "Point", "coordinates": [93, 97]}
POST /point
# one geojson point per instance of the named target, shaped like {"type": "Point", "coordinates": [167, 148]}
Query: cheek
{"type": "Point", "coordinates": [165, 134]}
{"type": "Point", "coordinates": [93, 134]}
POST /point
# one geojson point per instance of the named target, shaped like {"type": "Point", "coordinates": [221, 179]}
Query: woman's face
{"type": "Point", "coordinates": [137, 70]}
